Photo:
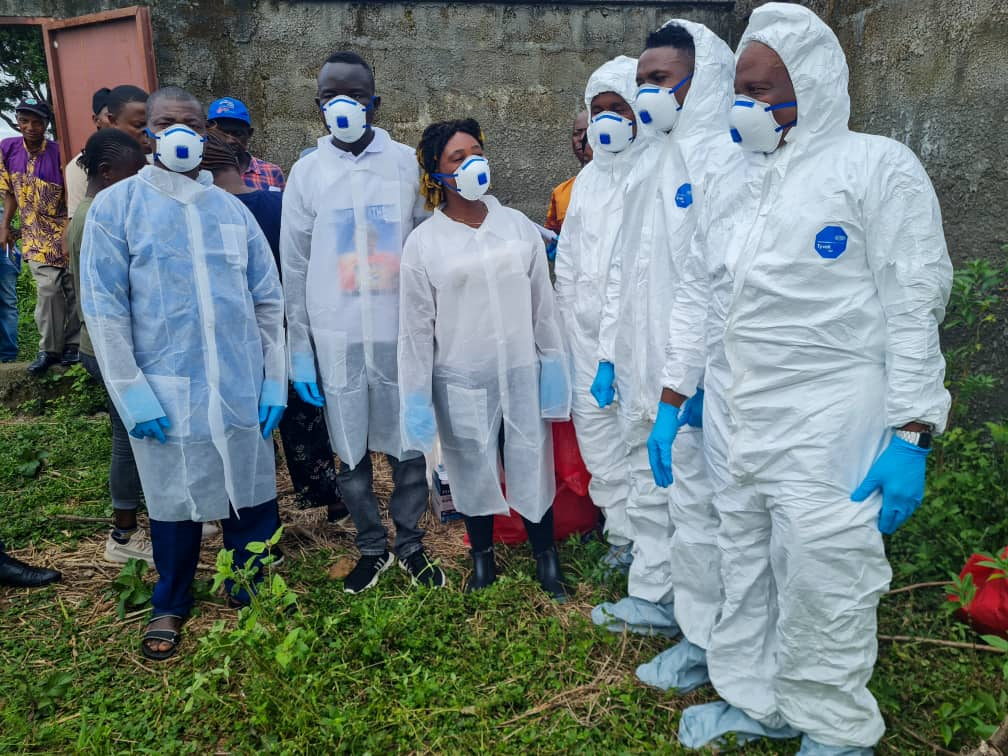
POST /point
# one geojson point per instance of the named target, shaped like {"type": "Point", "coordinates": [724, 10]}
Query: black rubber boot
{"type": "Point", "coordinates": [484, 570]}
{"type": "Point", "coordinates": [550, 576]}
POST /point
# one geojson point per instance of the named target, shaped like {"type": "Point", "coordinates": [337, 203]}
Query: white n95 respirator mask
{"type": "Point", "coordinates": [753, 126]}
{"type": "Point", "coordinates": [657, 106]}
{"type": "Point", "coordinates": [611, 132]}
{"type": "Point", "coordinates": [178, 148]}
{"type": "Point", "coordinates": [346, 118]}
{"type": "Point", "coordinates": [472, 178]}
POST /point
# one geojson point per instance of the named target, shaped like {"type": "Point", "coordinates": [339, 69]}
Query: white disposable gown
{"type": "Point", "coordinates": [345, 219]}
{"type": "Point", "coordinates": [185, 311]}
{"type": "Point", "coordinates": [583, 256]}
{"type": "Point", "coordinates": [478, 319]}
{"type": "Point", "coordinates": [675, 554]}
{"type": "Point", "coordinates": [825, 275]}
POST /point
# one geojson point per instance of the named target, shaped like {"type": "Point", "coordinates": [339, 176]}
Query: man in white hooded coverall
{"type": "Point", "coordinates": [347, 210]}
{"type": "Point", "coordinates": [685, 75]}
{"type": "Point", "coordinates": [185, 313]}
{"type": "Point", "coordinates": [583, 256]}
{"type": "Point", "coordinates": [824, 272]}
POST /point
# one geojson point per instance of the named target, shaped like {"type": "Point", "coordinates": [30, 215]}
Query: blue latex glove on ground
{"type": "Point", "coordinates": [309, 393]}
{"type": "Point", "coordinates": [419, 423]}
{"type": "Point", "coordinates": [554, 390]}
{"type": "Point", "coordinates": [692, 411]}
{"type": "Point", "coordinates": [899, 472]}
{"type": "Point", "coordinates": [269, 418]}
{"type": "Point", "coordinates": [603, 387]}
{"type": "Point", "coordinates": [151, 429]}
{"type": "Point", "coordinates": [659, 444]}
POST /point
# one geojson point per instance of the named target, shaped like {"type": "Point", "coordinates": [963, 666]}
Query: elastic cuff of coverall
{"type": "Point", "coordinates": [272, 394]}
{"type": "Point", "coordinates": [303, 367]}
{"type": "Point", "coordinates": [140, 405]}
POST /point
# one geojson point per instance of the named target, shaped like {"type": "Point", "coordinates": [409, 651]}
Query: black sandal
{"type": "Point", "coordinates": [161, 635]}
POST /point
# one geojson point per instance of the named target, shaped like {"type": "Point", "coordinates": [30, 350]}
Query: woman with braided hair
{"type": "Point", "coordinates": [481, 358]}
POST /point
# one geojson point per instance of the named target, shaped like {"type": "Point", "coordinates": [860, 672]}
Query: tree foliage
{"type": "Point", "coordinates": [23, 71]}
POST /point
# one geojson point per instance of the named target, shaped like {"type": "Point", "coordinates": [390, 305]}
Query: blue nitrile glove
{"type": "Point", "coordinates": [418, 422]}
{"type": "Point", "coordinates": [554, 390]}
{"type": "Point", "coordinates": [309, 393]}
{"type": "Point", "coordinates": [692, 410]}
{"type": "Point", "coordinates": [551, 249]}
{"type": "Point", "coordinates": [152, 429]}
{"type": "Point", "coordinates": [659, 444]}
{"type": "Point", "coordinates": [603, 387]}
{"type": "Point", "coordinates": [899, 472]}
{"type": "Point", "coordinates": [269, 418]}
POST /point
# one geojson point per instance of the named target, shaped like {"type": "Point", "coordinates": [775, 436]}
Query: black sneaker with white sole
{"type": "Point", "coordinates": [422, 570]}
{"type": "Point", "coordinates": [365, 573]}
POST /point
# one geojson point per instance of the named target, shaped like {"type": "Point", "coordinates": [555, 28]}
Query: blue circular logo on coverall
{"type": "Point", "coordinates": [831, 242]}
{"type": "Point", "coordinates": [684, 195]}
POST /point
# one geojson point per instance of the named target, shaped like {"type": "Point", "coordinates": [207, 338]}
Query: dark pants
{"type": "Point", "coordinates": [308, 452]}
{"type": "Point", "coordinates": [540, 534]}
{"type": "Point", "coordinates": [8, 309]}
{"type": "Point", "coordinates": [3, 553]}
{"type": "Point", "coordinates": [124, 480]}
{"type": "Point", "coordinates": [407, 505]}
{"type": "Point", "coordinates": [177, 549]}
{"type": "Point", "coordinates": [480, 527]}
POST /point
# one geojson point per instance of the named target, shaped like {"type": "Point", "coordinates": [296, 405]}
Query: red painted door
{"type": "Point", "coordinates": [89, 52]}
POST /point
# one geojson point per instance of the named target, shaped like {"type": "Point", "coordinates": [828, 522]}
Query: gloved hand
{"type": "Point", "coordinates": [551, 249]}
{"type": "Point", "coordinates": [269, 418]}
{"type": "Point", "coordinates": [309, 393]}
{"type": "Point", "coordinates": [152, 429]}
{"type": "Point", "coordinates": [554, 390]}
{"type": "Point", "coordinates": [692, 410]}
{"type": "Point", "coordinates": [659, 444]}
{"type": "Point", "coordinates": [419, 422]}
{"type": "Point", "coordinates": [602, 387]}
{"type": "Point", "coordinates": [899, 472]}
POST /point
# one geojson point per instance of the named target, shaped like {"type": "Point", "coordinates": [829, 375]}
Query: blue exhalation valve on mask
{"type": "Point", "coordinates": [611, 131]}
{"type": "Point", "coordinates": [346, 118]}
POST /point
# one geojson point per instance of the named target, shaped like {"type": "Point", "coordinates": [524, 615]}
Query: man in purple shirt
{"type": "Point", "coordinates": [229, 119]}
{"type": "Point", "coordinates": [32, 184]}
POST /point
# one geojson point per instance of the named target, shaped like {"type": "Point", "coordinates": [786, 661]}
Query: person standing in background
{"type": "Point", "coordinates": [32, 182]}
{"type": "Point", "coordinates": [123, 108]}
{"type": "Point", "coordinates": [560, 197]}
{"type": "Point", "coordinates": [229, 119]}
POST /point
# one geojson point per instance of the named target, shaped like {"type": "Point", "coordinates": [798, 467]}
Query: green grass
{"type": "Point", "coordinates": [396, 669]}
{"type": "Point", "coordinates": [28, 335]}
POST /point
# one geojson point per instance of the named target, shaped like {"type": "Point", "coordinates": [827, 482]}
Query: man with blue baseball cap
{"type": "Point", "coordinates": [229, 118]}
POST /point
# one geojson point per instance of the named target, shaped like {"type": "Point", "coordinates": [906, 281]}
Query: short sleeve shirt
{"type": "Point", "coordinates": [36, 182]}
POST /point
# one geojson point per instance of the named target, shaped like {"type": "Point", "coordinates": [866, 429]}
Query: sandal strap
{"type": "Point", "coordinates": [164, 635]}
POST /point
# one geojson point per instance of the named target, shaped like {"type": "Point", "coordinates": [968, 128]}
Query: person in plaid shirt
{"type": "Point", "coordinates": [229, 119]}
{"type": "Point", "coordinates": [32, 184]}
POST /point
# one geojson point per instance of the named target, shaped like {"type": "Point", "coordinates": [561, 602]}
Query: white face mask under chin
{"type": "Point", "coordinates": [753, 126]}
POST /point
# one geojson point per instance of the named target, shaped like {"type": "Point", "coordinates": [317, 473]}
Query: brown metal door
{"type": "Point", "coordinates": [87, 53]}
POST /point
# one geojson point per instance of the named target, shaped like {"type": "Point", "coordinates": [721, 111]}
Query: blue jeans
{"type": "Point", "coordinates": [177, 550]}
{"type": "Point", "coordinates": [8, 309]}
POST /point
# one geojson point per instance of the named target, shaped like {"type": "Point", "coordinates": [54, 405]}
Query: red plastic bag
{"type": "Point", "coordinates": [573, 510]}
{"type": "Point", "coordinates": [987, 613]}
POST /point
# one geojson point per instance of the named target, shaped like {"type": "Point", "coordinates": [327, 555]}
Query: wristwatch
{"type": "Point", "coordinates": [921, 439]}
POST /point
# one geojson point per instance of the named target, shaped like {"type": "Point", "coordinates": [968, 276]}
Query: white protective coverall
{"type": "Point", "coordinates": [478, 319]}
{"type": "Point", "coordinates": [582, 264]}
{"type": "Point", "coordinates": [673, 530]}
{"type": "Point", "coordinates": [345, 218]}
{"type": "Point", "coordinates": [820, 342]}
{"type": "Point", "coordinates": [184, 307]}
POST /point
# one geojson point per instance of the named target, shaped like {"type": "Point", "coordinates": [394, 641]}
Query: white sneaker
{"type": "Point", "coordinates": [137, 547]}
{"type": "Point", "coordinates": [209, 530]}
